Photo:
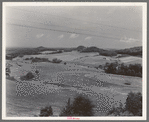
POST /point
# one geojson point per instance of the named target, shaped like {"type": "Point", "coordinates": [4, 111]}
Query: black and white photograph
{"type": "Point", "coordinates": [74, 61]}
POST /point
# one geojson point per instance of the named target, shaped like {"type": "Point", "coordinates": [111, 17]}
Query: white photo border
{"type": "Point", "coordinates": [144, 46]}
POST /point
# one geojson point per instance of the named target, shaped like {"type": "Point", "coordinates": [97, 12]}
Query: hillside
{"type": "Point", "coordinates": [91, 49]}
{"type": "Point", "coordinates": [80, 48]}
{"type": "Point", "coordinates": [135, 51]}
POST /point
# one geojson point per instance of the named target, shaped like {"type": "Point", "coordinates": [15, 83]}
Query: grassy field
{"type": "Point", "coordinates": [58, 82]}
{"type": "Point", "coordinates": [131, 60]}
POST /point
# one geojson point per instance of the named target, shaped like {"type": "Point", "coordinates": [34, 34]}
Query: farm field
{"type": "Point", "coordinates": [65, 56]}
{"type": "Point", "coordinates": [86, 59]}
{"type": "Point", "coordinates": [58, 82]}
{"type": "Point", "coordinates": [131, 60]}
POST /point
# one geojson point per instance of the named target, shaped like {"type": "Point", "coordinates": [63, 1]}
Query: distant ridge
{"type": "Point", "coordinates": [88, 49]}
{"type": "Point", "coordinates": [134, 51]}
{"type": "Point", "coordinates": [131, 51]}
{"type": "Point", "coordinates": [41, 47]}
{"type": "Point", "coordinates": [80, 48]}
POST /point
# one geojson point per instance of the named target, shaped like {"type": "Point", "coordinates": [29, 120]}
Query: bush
{"type": "Point", "coordinates": [81, 106]}
{"type": "Point", "coordinates": [116, 111]}
{"type": "Point", "coordinates": [27, 59]}
{"type": "Point", "coordinates": [40, 59]}
{"type": "Point", "coordinates": [55, 60]}
{"type": "Point", "coordinates": [8, 70]}
{"type": "Point", "coordinates": [28, 76]}
{"type": "Point", "coordinates": [47, 111]}
{"type": "Point", "coordinates": [134, 103]}
{"type": "Point", "coordinates": [7, 74]}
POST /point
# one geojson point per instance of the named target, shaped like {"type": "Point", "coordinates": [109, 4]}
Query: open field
{"type": "Point", "coordinates": [58, 82]}
{"type": "Point", "coordinates": [131, 60]}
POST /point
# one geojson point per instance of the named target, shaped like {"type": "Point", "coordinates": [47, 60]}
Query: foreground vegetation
{"type": "Point", "coordinates": [83, 106]}
{"type": "Point", "coordinates": [133, 106]}
{"type": "Point", "coordinates": [46, 111]}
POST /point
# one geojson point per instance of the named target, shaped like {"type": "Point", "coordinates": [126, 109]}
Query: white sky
{"type": "Point", "coordinates": [71, 26]}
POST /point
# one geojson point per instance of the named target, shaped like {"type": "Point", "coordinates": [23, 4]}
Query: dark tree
{"type": "Point", "coordinates": [81, 106]}
{"type": "Point", "coordinates": [134, 103]}
{"type": "Point", "coordinates": [47, 111]}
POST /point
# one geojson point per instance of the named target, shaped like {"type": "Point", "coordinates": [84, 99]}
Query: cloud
{"type": "Point", "coordinates": [88, 38]}
{"type": "Point", "coordinates": [61, 36]}
{"type": "Point", "coordinates": [39, 35]}
{"type": "Point", "coordinates": [129, 40]}
{"type": "Point", "coordinates": [74, 35]}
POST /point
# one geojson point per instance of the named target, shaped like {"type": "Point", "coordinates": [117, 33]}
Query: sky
{"type": "Point", "coordinates": [71, 26]}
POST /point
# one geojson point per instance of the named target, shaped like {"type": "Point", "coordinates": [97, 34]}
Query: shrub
{"type": "Point", "coordinates": [81, 106]}
{"type": "Point", "coordinates": [116, 111]}
{"type": "Point", "coordinates": [55, 60]}
{"type": "Point", "coordinates": [47, 111]}
{"type": "Point", "coordinates": [7, 74]}
{"type": "Point", "coordinates": [134, 103]}
{"type": "Point", "coordinates": [40, 59]}
{"type": "Point", "coordinates": [7, 69]}
{"type": "Point", "coordinates": [28, 76]}
{"type": "Point", "coordinates": [27, 59]}
{"type": "Point", "coordinates": [65, 63]}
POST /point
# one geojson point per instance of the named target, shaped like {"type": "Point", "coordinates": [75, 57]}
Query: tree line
{"type": "Point", "coordinates": [121, 69]}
